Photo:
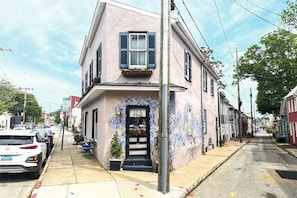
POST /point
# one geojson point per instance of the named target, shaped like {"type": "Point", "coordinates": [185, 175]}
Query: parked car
{"type": "Point", "coordinates": [19, 127]}
{"type": "Point", "coordinates": [50, 136]}
{"type": "Point", "coordinates": [46, 139]}
{"type": "Point", "coordinates": [49, 132]}
{"type": "Point", "coordinates": [22, 151]}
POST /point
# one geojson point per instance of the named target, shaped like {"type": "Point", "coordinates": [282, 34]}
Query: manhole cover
{"type": "Point", "coordinates": [287, 174]}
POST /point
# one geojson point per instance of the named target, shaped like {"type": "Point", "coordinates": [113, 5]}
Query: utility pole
{"type": "Point", "coordinates": [25, 103]}
{"type": "Point", "coordinates": [8, 50]}
{"type": "Point", "coordinates": [164, 95]}
{"type": "Point", "coordinates": [251, 95]}
{"type": "Point", "coordinates": [239, 100]}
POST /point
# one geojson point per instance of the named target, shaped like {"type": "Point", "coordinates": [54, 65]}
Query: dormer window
{"type": "Point", "coordinates": [137, 50]}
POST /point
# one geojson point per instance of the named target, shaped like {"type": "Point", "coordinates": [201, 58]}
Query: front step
{"type": "Point", "coordinates": [138, 164]}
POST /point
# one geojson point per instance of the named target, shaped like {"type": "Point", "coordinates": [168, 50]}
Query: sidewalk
{"type": "Point", "coordinates": [73, 173]}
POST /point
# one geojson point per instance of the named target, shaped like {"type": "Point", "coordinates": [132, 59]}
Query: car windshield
{"type": "Point", "coordinates": [15, 140]}
{"type": "Point", "coordinates": [42, 133]}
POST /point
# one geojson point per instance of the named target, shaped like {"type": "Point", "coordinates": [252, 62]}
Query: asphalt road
{"type": "Point", "coordinates": [259, 169]}
{"type": "Point", "coordinates": [16, 185]}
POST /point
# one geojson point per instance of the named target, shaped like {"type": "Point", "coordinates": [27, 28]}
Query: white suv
{"type": "Point", "coordinates": [22, 151]}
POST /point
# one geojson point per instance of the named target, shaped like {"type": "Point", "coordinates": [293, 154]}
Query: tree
{"type": "Point", "coordinates": [7, 93]}
{"type": "Point", "coordinates": [272, 63]}
{"type": "Point", "coordinates": [57, 116]}
{"type": "Point", "coordinates": [289, 15]}
{"type": "Point", "coordinates": [33, 110]}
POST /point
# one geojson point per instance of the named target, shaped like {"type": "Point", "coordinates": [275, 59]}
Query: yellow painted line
{"type": "Point", "coordinates": [232, 194]}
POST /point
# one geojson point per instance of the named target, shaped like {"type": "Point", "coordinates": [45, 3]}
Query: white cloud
{"type": "Point", "coordinates": [46, 38]}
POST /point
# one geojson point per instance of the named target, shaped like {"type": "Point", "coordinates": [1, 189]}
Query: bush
{"type": "Point", "coordinates": [78, 138]}
{"type": "Point", "coordinates": [116, 148]}
{"type": "Point", "coordinates": [269, 129]}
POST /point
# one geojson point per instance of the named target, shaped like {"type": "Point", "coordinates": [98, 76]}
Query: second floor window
{"type": "Point", "coordinates": [86, 81]}
{"type": "Point", "coordinates": [212, 87]}
{"type": "Point", "coordinates": [188, 66]}
{"type": "Point", "coordinates": [137, 50]}
{"type": "Point", "coordinates": [205, 80]}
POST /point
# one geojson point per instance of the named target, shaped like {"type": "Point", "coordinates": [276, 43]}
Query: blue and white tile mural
{"type": "Point", "coordinates": [119, 124]}
{"type": "Point", "coordinates": [185, 127]}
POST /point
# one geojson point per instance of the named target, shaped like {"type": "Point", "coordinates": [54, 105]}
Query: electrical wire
{"type": "Point", "coordinates": [253, 13]}
{"type": "Point", "coordinates": [184, 23]}
{"type": "Point", "coordinates": [263, 8]}
{"type": "Point", "coordinates": [225, 36]}
{"type": "Point", "coordinates": [196, 24]}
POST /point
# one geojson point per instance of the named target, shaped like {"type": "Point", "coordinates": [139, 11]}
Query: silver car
{"type": "Point", "coordinates": [22, 151]}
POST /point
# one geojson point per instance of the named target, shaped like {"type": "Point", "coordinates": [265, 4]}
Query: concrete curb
{"type": "Point", "coordinates": [40, 179]}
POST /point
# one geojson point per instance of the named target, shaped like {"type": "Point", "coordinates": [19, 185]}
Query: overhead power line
{"type": "Point", "coordinates": [225, 36]}
{"type": "Point", "coordinates": [263, 8]}
{"type": "Point", "coordinates": [253, 13]}
{"type": "Point", "coordinates": [196, 25]}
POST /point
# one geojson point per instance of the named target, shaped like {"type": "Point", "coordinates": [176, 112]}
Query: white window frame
{"type": "Point", "coordinates": [144, 50]}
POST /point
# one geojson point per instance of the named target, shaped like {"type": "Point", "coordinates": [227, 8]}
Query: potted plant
{"type": "Point", "coordinates": [115, 153]}
{"type": "Point", "coordinates": [78, 138]}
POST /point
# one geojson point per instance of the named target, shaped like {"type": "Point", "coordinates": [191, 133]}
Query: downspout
{"type": "Point", "coordinates": [219, 112]}
{"type": "Point", "coordinates": [202, 126]}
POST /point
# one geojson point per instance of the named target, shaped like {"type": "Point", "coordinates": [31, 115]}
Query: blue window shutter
{"type": "Point", "coordinates": [151, 54]}
{"type": "Point", "coordinates": [186, 64]}
{"type": "Point", "coordinates": [190, 68]}
{"type": "Point", "coordinates": [124, 50]}
{"type": "Point", "coordinates": [99, 61]}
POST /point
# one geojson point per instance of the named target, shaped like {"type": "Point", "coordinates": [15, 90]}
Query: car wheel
{"type": "Point", "coordinates": [37, 174]}
{"type": "Point", "coordinates": [48, 151]}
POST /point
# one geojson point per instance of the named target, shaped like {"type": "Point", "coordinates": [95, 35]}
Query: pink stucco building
{"type": "Point", "coordinates": [120, 60]}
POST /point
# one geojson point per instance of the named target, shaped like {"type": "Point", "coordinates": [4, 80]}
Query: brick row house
{"type": "Point", "coordinates": [120, 61]}
{"type": "Point", "coordinates": [291, 104]}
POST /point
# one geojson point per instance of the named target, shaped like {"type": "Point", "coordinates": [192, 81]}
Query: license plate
{"type": "Point", "coordinates": [5, 158]}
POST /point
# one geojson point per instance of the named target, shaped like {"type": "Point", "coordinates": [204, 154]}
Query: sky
{"type": "Point", "coordinates": [46, 38]}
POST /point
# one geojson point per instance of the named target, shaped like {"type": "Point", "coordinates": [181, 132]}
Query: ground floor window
{"type": "Point", "coordinates": [95, 124]}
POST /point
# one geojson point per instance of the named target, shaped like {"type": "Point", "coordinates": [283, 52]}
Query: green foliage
{"type": "Point", "coordinates": [7, 94]}
{"type": "Point", "coordinates": [12, 101]}
{"type": "Point", "coordinates": [289, 15]}
{"type": "Point", "coordinates": [57, 116]}
{"type": "Point", "coordinates": [272, 63]}
{"type": "Point", "coordinates": [116, 148]}
{"type": "Point", "coordinates": [33, 110]}
{"type": "Point", "coordinates": [270, 129]}
{"type": "Point", "coordinates": [78, 138]}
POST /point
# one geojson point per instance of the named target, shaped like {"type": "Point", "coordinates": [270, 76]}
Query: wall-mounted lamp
{"type": "Point", "coordinates": [118, 113]}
